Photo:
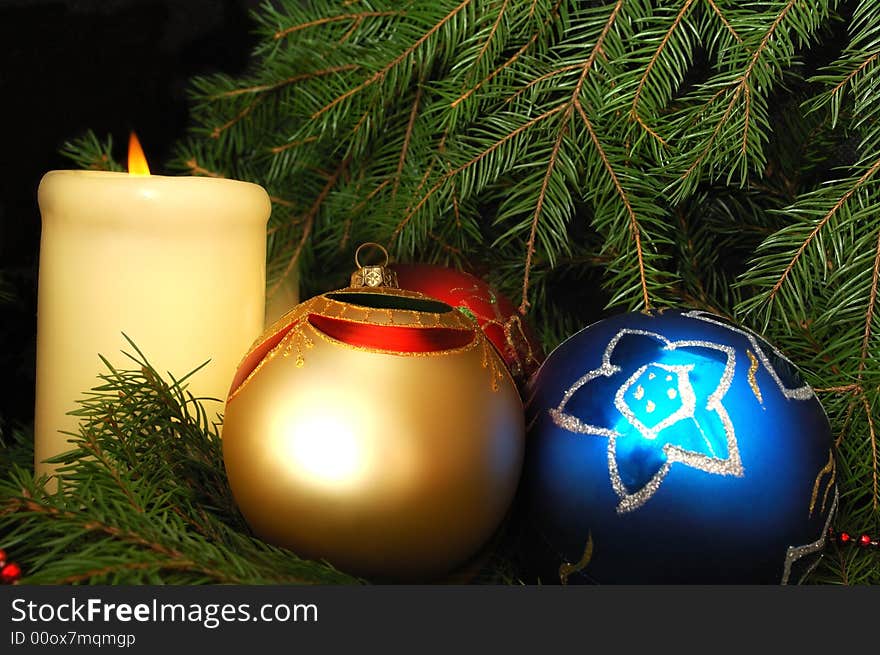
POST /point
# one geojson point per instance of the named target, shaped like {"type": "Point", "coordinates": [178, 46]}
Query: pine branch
{"type": "Point", "coordinates": [381, 74]}
{"type": "Point", "coordinates": [141, 498]}
{"type": "Point", "coordinates": [533, 39]}
{"type": "Point", "coordinates": [90, 153]}
{"type": "Point", "coordinates": [652, 62]}
{"type": "Point", "coordinates": [724, 20]}
{"type": "Point", "coordinates": [355, 18]}
{"type": "Point", "coordinates": [518, 131]}
{"type": "Point", "coordinates": [542, 196]}
{"type": "Point", "coordinates": [309, 223]}
{"type": "Point", "coordinates": [634, 223]}
{"type": "Point", "coordinates": [407, 138]}
{"type": "Point", "coordinates": [820, 225]}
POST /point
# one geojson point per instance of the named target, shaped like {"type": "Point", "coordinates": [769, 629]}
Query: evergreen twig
{"type": "Point", "coordinates": [141, 498]}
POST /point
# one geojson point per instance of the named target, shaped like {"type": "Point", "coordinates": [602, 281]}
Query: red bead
{"type": "Point", "coordinates": [10, 573]}
{"type": "Point", "coordinates": [844, 538]}
{"type": "Point", "coordinates": [864, 541]}
{"type": "Point", "coordinates": [2, 558]}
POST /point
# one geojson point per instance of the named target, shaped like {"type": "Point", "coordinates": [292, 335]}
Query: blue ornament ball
{"type": "Point", "coordinates": [674, 447]}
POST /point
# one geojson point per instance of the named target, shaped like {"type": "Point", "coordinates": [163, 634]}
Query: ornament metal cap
{"type": "Point", "coordinates": [375, 275]}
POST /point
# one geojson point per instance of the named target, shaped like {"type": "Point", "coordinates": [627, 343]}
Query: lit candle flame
{"type": "Point", "coordinates": [137, 161]}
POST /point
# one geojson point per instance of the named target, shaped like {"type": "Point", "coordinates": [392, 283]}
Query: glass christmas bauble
{"type": "Point", "coordinates": [496, 315]}
{"type": "Point", "coordinates": [675, 447]}
{"type": "Point", "coordinates": [377, 429]}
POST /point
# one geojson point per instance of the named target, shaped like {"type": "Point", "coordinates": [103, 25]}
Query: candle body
{"type": "Point", "coordinates": [176, 263]}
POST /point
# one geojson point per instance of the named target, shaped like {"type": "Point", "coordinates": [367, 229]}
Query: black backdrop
{"type": "Point", "coordinates": [70, 65]}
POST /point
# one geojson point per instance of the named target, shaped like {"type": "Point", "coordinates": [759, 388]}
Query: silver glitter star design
{"type": "Point", "coordinates": [794, 553]}
{"type": "Point", "coordinates": [632, 390]}
{"type": "Point", "coordinates": [799, 393]}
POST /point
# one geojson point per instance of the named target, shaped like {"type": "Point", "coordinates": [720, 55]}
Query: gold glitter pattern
{"type": "Point", "coordinates": [294, 343]}
{"type": "Point", "coordinates": [298, 340]}
{"type": "Point", "coordinates": [279, 348]}
{"type": "Point", "coordinates": [491, 362]}
{"type": "Point", "coordinates": [522, 358]}
{"type": "Point", "coordinates": [430, 353]}
{"type": "Point", "coordinates": [830, 470]}
{"type": "Point", "coordinates": [566, 569]}
{"type": "Point", "coordinates": [753, 382]}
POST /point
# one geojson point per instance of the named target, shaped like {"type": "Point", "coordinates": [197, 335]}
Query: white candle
{"type": "Point", "coordinates": [176, 263]}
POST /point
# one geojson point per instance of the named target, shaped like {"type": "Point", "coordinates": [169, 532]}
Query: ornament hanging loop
{"type": "Point", "coordinates": [370, 244]}
{"type": "Point", "coordinates": [375, 275]}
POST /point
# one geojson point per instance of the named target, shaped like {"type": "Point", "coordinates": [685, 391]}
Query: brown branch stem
{"type": "Point", "coordinates": [406, 138]}
{"type": "Point", "coordinates": [633, 220]}
{"type": "Point", "coordinates": [507, 137]}
{"type": "Point", "coordinates": [853, 74]}
{"type": "Point", "coordinates": [874, 463]}
{"type": "Point", "coordinates": [656, 56]}
{"type": "Point", "coordinates": [309, 223]}
{"type": "Point", "coordinates": [724, 20]}
{"type": "Point", "coordinates": [536, 217]}
{"type": "Point", "coordinates": [280, 34]}
{"type": "Point", "coordinates": [378, 75]}
{"type": "Point", "coordinates": [821, 224]}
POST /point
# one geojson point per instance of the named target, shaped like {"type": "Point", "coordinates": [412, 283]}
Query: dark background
{"type": "Point", "coordinates": [67, 66]}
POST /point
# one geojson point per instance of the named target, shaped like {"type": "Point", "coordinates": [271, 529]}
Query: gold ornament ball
{"type": "Point", "coordinates": [376, 429]}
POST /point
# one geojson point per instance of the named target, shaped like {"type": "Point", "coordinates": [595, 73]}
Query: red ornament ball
{"type": "Point", "coordinates": [496, 315]}
{"type": "Point", "coordinates": [10, 573]}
